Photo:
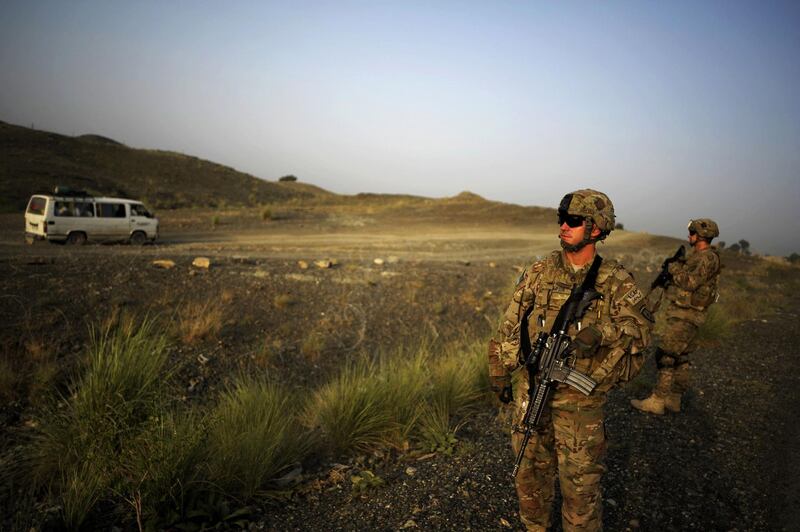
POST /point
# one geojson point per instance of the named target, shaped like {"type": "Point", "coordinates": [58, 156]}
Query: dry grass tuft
{"type": "Point", "coordinates": [201, 320]}
{"type": "Point", "coordinates": [312, 347]}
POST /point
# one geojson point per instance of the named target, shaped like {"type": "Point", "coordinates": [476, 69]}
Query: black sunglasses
{"type": "Point", "coordinates": [572, 220]}
{"type": "Point", "coordinates": [692, 232]}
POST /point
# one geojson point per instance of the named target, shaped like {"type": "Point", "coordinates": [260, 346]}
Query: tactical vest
{"type": "Point", "coordinates": [705, 294]}
{"type": "Point", "coordinates": [551, 287]}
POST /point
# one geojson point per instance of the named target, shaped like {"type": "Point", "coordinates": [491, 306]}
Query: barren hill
{"type": "Point", "coordinates": [35, 161]}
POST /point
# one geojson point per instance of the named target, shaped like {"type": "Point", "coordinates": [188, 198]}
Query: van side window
{"type": "Point", "coordinates": [111, 210]}
{"type": "Point", "coordinates": [36, 206]}
{"type": "Point", "coordinates": [65, 208]}
{"type": "Point", "coordinates": [84, 209]}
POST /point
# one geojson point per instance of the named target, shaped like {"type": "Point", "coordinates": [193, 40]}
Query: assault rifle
{"type": "Point", "coordinates": [550, 357]}
{"type": "Point", "coordinates": [664, 278]}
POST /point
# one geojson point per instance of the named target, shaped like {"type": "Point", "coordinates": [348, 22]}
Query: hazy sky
{"type": "Point", "coordinates": [676, 109]}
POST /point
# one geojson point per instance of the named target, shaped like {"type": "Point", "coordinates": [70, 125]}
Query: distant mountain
{"type": "Point", "coordinates": [33, 161]}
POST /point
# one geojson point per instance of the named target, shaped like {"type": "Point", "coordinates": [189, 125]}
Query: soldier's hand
{"type": "Point", "coordinates": [586, 342]}
{"type": "Point", "coordinates": [673, 268]}
{"type": "Point", "coordinates": [506, 395]}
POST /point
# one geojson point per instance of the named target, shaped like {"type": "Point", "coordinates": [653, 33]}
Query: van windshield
{"type": "Point", "coordinates": [137, 209]}
{"type": "Point", "coordinates": [37, 205]}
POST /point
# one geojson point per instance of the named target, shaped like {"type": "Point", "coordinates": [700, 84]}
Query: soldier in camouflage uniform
{"type": "Point", "coordinates": [692, 289]}
{"type": "Point", "coordinates": [607, 347]}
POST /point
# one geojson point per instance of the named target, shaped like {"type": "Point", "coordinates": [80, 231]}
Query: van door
{"type": "Point", "coordinates": [36, 217]}
{"type": "Point", "coordinates": [113, 221]}
{"type": "Point", "coordinates": [65, 218]}
{"type": "Point", "coordinates": [142, 220]}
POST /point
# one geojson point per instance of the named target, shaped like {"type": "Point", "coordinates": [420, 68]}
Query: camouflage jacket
{"type": "Point", "coordinates": [546, 285]}
{"type": "Point", "coordinates": [694, 285]}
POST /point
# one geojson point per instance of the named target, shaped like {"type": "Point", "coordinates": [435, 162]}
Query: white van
{"type": "Point", "coordinates": [75, 218]}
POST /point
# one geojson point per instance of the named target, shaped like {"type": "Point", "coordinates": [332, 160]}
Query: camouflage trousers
{"type": "Point", "coordinates": [672, 356]}
{"type": "Point", "coordinates": [678, 338]}
{"type": "Point", "coordinates": [572, 440]}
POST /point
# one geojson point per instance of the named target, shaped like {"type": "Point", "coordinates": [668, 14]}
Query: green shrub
{"type": "Point", "coordinates": [402, 395]}
{"type": "Point", "coordinates": [83, 448]}
{"type": "Point", "coordinates": [254, 437]}
{"type": "Point", "coordinates": [266, 214]}
{"type": "Point", "coordinates": [352, 411]}
{"type": "Point", "coordinates": [457, 384]}
{"type": "Point", "coordinates": [717, 326]}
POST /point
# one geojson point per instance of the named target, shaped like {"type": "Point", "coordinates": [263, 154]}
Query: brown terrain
{"type": "Point", "coordinates": [729, 462]}
{"type": "Point", "coordinates": [301, 281]}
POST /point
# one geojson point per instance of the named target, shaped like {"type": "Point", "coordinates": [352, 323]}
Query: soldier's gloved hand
{"type": "Point", "coordinates": [586, 342]}
{"type": "Point", "coordinates": [506, 395]}
{"type": "Point", "coordinates": [673, 268]}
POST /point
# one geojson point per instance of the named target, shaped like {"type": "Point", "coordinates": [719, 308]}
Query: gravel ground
{"type": "Point", "coordinates": [728, 462]}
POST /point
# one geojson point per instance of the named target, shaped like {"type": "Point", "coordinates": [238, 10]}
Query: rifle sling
{"type": "Point", "coordinates": [588, 284]}
{"type": "Point", "coordinates": [591, 276]}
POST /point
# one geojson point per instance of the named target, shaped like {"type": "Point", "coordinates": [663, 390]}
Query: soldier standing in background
{"type": "Point", "coordinates": [690, 291]}
{"type": "Point", "coordinates": [606, 346]}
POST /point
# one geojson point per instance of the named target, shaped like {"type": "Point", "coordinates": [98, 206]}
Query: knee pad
{"type": "Point", "coordinates": [665, 359]}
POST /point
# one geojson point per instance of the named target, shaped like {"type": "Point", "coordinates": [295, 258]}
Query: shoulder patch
{"type": "Point", "coordinates": [621, 273]}
{"type": "Point", "coordinates": [633, 296]}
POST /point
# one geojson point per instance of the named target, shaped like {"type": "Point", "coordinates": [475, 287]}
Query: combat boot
{"type": "Point", "coordinates": [653, 404]}
{"type": "Point", "coordinates": [657, 401]}
{"type": "Point", "coordinates": [672, 402]}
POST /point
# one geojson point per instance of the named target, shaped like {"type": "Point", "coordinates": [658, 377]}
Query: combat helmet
{"type": "Point", "coordinates": [595, 207]}
{"type": "Point", "coordinates": [704, 227]}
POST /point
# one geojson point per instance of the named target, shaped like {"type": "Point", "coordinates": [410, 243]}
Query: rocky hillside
{"type": "Point", "coordinates": [35, 161]}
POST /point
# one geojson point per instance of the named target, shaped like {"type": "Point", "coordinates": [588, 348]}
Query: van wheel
{"type": "Point", "coordinates": [76, 238]}
{"type": "Point", "coordinates": [138, 238]}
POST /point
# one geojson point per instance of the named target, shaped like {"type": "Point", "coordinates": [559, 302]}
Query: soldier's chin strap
{"type": "Point", "coordinates": [587, 237]}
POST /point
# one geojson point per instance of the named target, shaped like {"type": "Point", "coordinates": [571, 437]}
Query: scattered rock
{"type": "Point", "coordinates": [202, 359]}
{"type": "Point", "coordinates": [504, 523]}
{"type": "Point", "coordinates": [194, 382]}
{"type": "Point", "coordinates": [300, 277]}
{"type": "Point", "coordinates": [392, 259]}
{"type": "Point", "coordinates": [303, 265]}
{"type": "Point", "coordinates": [261, 274]}
{"type": "Point", "coordinates": [411, 471]}
{"type": "Point", "coordinates": [378, 261]}
{"type": "Point", "coordinates": [493, 265]}
{"type": "Point", "coordinates": [409, 524]}
{"type": "Point", "coordinates": [323, 264]}
{"type": "Point", "coordinates": [464, 262]}
{"type": "Point", "coordinates": [202, 262]}
{"type": "Point", "coordinates": [164, 264]}
{"type": "Point", "coordinates": [292, 477]}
